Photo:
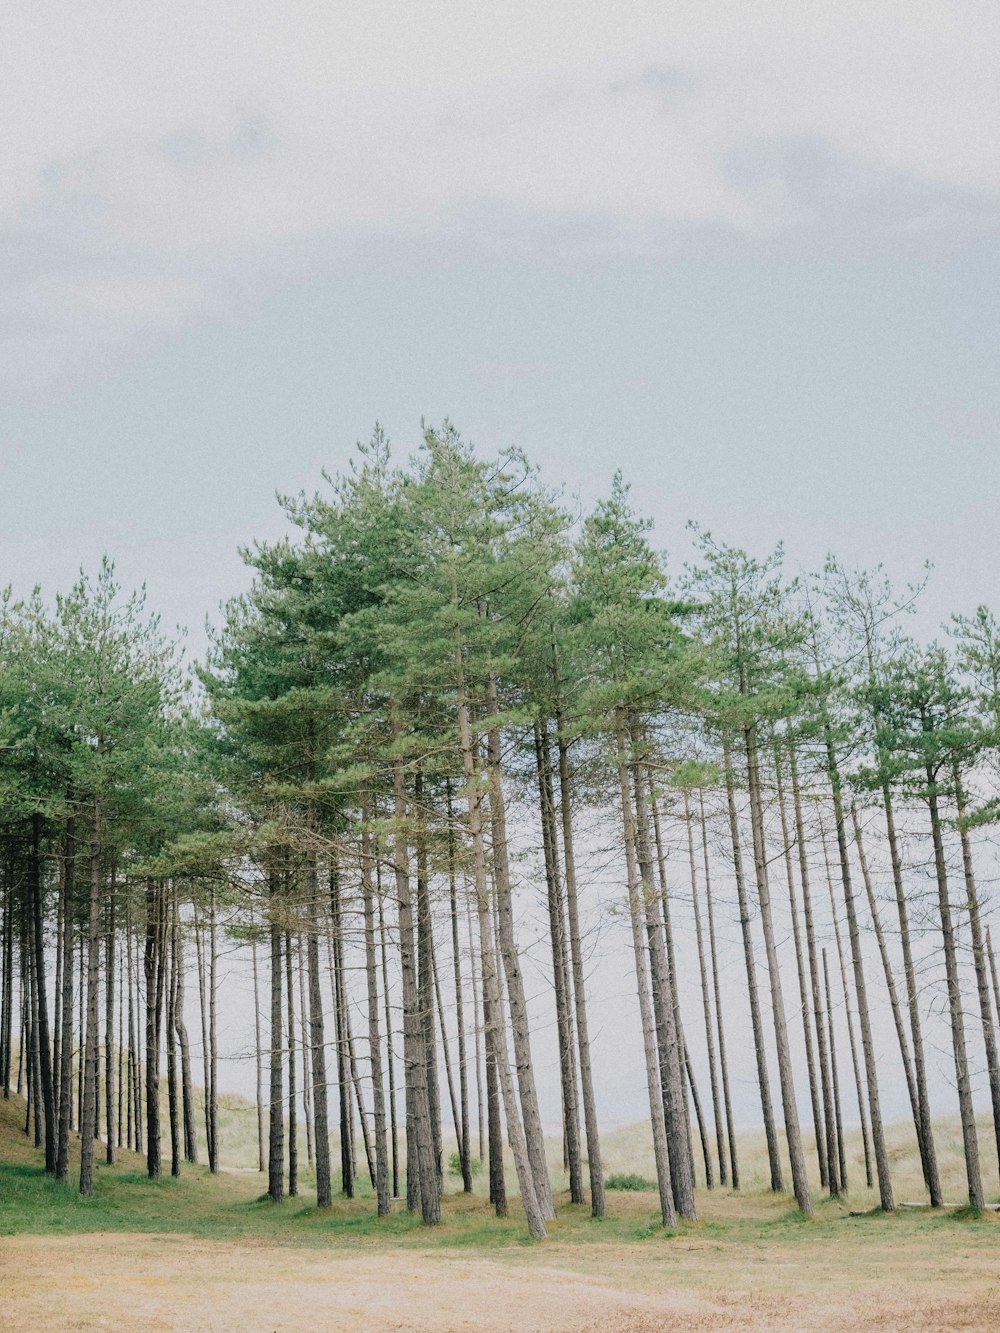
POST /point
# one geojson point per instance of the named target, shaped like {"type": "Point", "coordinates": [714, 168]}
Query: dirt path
{"type": "Point", "coordinates": [125, 1282]}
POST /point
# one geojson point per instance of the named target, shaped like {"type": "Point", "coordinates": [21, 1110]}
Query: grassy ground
{"type": "Point", "coordinates": [203, 1252]}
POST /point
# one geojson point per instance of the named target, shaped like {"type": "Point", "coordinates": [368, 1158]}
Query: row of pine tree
{"type": "Point", "coordinates": [432, 707]}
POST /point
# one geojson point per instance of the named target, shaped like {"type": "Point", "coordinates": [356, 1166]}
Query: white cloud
{"type": "Point", "coordinates": [170, 143]}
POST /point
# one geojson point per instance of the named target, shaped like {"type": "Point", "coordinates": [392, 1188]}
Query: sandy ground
{"type": "Point", "coordinates": [120, 1281]}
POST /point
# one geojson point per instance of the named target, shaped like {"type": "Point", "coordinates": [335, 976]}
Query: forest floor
{"type": "Point", "coordinates": [207, 1253]}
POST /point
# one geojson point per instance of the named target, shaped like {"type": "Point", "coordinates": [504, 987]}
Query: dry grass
{"type": "Point", "coordinates": [203, 1253]}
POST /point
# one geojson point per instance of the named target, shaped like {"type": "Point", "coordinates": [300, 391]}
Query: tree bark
{"type": "Point", "coordinates": [713, 1073]}
{"type": "Point", "coordinates": [520, 1032]}
{"type": "Point", "coordinates": [276, 1134]}
{"type": "Point", "coordinates": [594, 1163]}
{"type": "Point", "coordinates": [970, 1139]}
{"type": "Point", "coordinates": [66, 1029]}
{"type": "Point", "coordinates": [661, 1153]}
{"type": "Point", "coordinates": [374, 1038]}
{"type": "Point", "coordinates": [773, 1157]}
{"type": "Point", "coordinates": [835, 1181]}
{"type": "Point", "coordinates": [723, 1063]}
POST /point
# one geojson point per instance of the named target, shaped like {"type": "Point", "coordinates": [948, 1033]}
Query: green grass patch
{"type": "Point", "coordinates": [630, 1181]}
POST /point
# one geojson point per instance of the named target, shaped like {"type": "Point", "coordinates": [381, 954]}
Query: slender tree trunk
{"type": "Point", "coordinates": [993, 971]}
{"type": "Point", "coordinates": [66, 1030]}
{"type": "Point", "coordinates": [184, 1042]}
{"type": "Point", "coordinates": [800, 1183]}
{"type": "Point", "coordinates": [151, 971]}
{"type": "Point", "coordinates": [306, 1046]}
{"type": "Point", "coordinates": [804, 1007]}
{"type": "Point", "coordinates": [213, 1046]}
{"type": "Point", "coordinates": [594, 1163]}
{"type": "Point", "coordinates": [723, 1064]}
{"type": "Point", "coordinates": [88, 1118]}
{"type": "Point", "coordinates": [890, 981]}
{"type": "Point", "coordinates": [48, 1103]}
{"type": "Point", "coordinates": [477, 1030]}
{"type": "Point", "coordinates": [848, 1018]}
{"type": "Point", "coordinates": [966, 1110]}
{"type": "Point", "coordinates": [390, 1055]}
{"type": "Point", "coordinates": [654, 1091]}
{"type": "Point", "coordinates": [928, 1152]}
{"type": "Point", "coordinates": [663, 907]}
{"type": "Point", "coordinates": [261, 1134]}
{"type": "Point", "coordinates": [276, 1133]}
{"type": "Point", "coordinates": [172, 1108]}
{"type": "Point", "coordinates": [713, 1073]}
{"type": "Point", "coordinates": [838, 1117]}
{"type": "Point", "coordinates": [979, 956]}
{"type": "Point", "coordinates": [109, 1023]}
{"type": "Point", "coordinates": [425, 980]}
{"type": "Point", "coordinates": [773, 1157]}
{"type": "Point", "coordinates": [317, 1042]}
{"type": "Point", "coordinates": [677, 1121]}
{"type": "Point", "coordinates": [205, 1045]}
{"type": "Point", "coordinates": [835, 1181]}
{"type": "Point", "coordinates": [374, 1038]}
{"type": "Point", "coordinates": [340, 1028]}
{"type": "Point", "coordinates": [293, 1145]}
{"type": "Point", "coordinates": [496, 1037]}
{"type": "Point", "coordinates": [560, 971]}
{"type": "Point", "coordinates": [420, 1146]}
{"type": "Point", "coordinates": [520, 1031]}
{"type": "Point", "coordinates": [464, 1138]}
{"type": "Point", "coordinates": [864, 1019]}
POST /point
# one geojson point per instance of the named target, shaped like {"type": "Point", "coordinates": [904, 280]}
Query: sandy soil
{"type": "Point", "coordinates": [116, 1281]}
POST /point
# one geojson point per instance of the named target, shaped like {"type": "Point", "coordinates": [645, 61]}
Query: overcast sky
{"type": "Point", "coordinates": [747, 251]}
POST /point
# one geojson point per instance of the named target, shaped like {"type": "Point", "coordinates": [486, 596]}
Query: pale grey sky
{"type": "Point", "coordinates": [748, 252]}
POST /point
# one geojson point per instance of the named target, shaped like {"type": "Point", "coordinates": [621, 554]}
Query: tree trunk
{"type": "Point", "coordinates": [374, 1039]}
{"type": "Point", "coordinates": [48, 1103]}
{"type": "Point", "coordinates": [804, 1007]}
{"type": "Point", "coordinates": [662, 907]}
{"type": "Point", "coordinates": [276, 1133]}
{"type": "Point", "coordinates": [654, 1091]}
{"type": "Point", "coordinates": [109, 1023]}
{"type": "Point", "coordinates": [425, 979]}
{"type": "Point", "coordinates": [151, 971]}
{"type": "Point", "coordinates": [172, 1108]}
{"type": "Point", "coordinates": [520, 1032]}
{"type": "Point", "coordinates": [66, 1029]}
{"type": "Point", "coordinates": [595, 1165]}
{"type": "Point", "coordinates": [317, 1043]}
{"type": "Point", "coordinates": [464, 1137]}
{"type": "Point", "coordinates": [928, 1152]}
{"type": "Point", "coordinates": [838, 1117]}
{"type": "Point", "coordinates": [966, 1110]}
{"type": "Point", "coordinates": [864, 1019]}
{"type": "Point", "coordinates": [340, 1031]}
{"type": "Point", "coordinates": [835, 1182]}
{"type": "Point", "coordinates": [800, 1183]}
{"type": "Point", "coordinates": [890, 981]}
{"type": "Point", "coordinates": [293, 1145]}
{"type": "Point", "coordinates": [848, 1018]}
{"type": "Point", "coordinates": [88, 1118]}
{"type": "Point", "coordinates": [390, 1054]}
{"type": "Point", "coordinates": [306, 1047]}
{"type": "Point", "coordinates": [713, 1074]}
{"type": "Point", "coordinates": [723, 1064]}
{"type": "Point", "coordinates": [979, 957]}
{"type": "Point", "coordinates": [261, 1153]}
{"type": "Point", "coordinates": [420, 1146]}
{"type": "Point", "coordinates": [773, 1157]}
{"type": "Point", "coordinates": [183, 1041]}
{"type": "Point", "coordinates": [560, 971]}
